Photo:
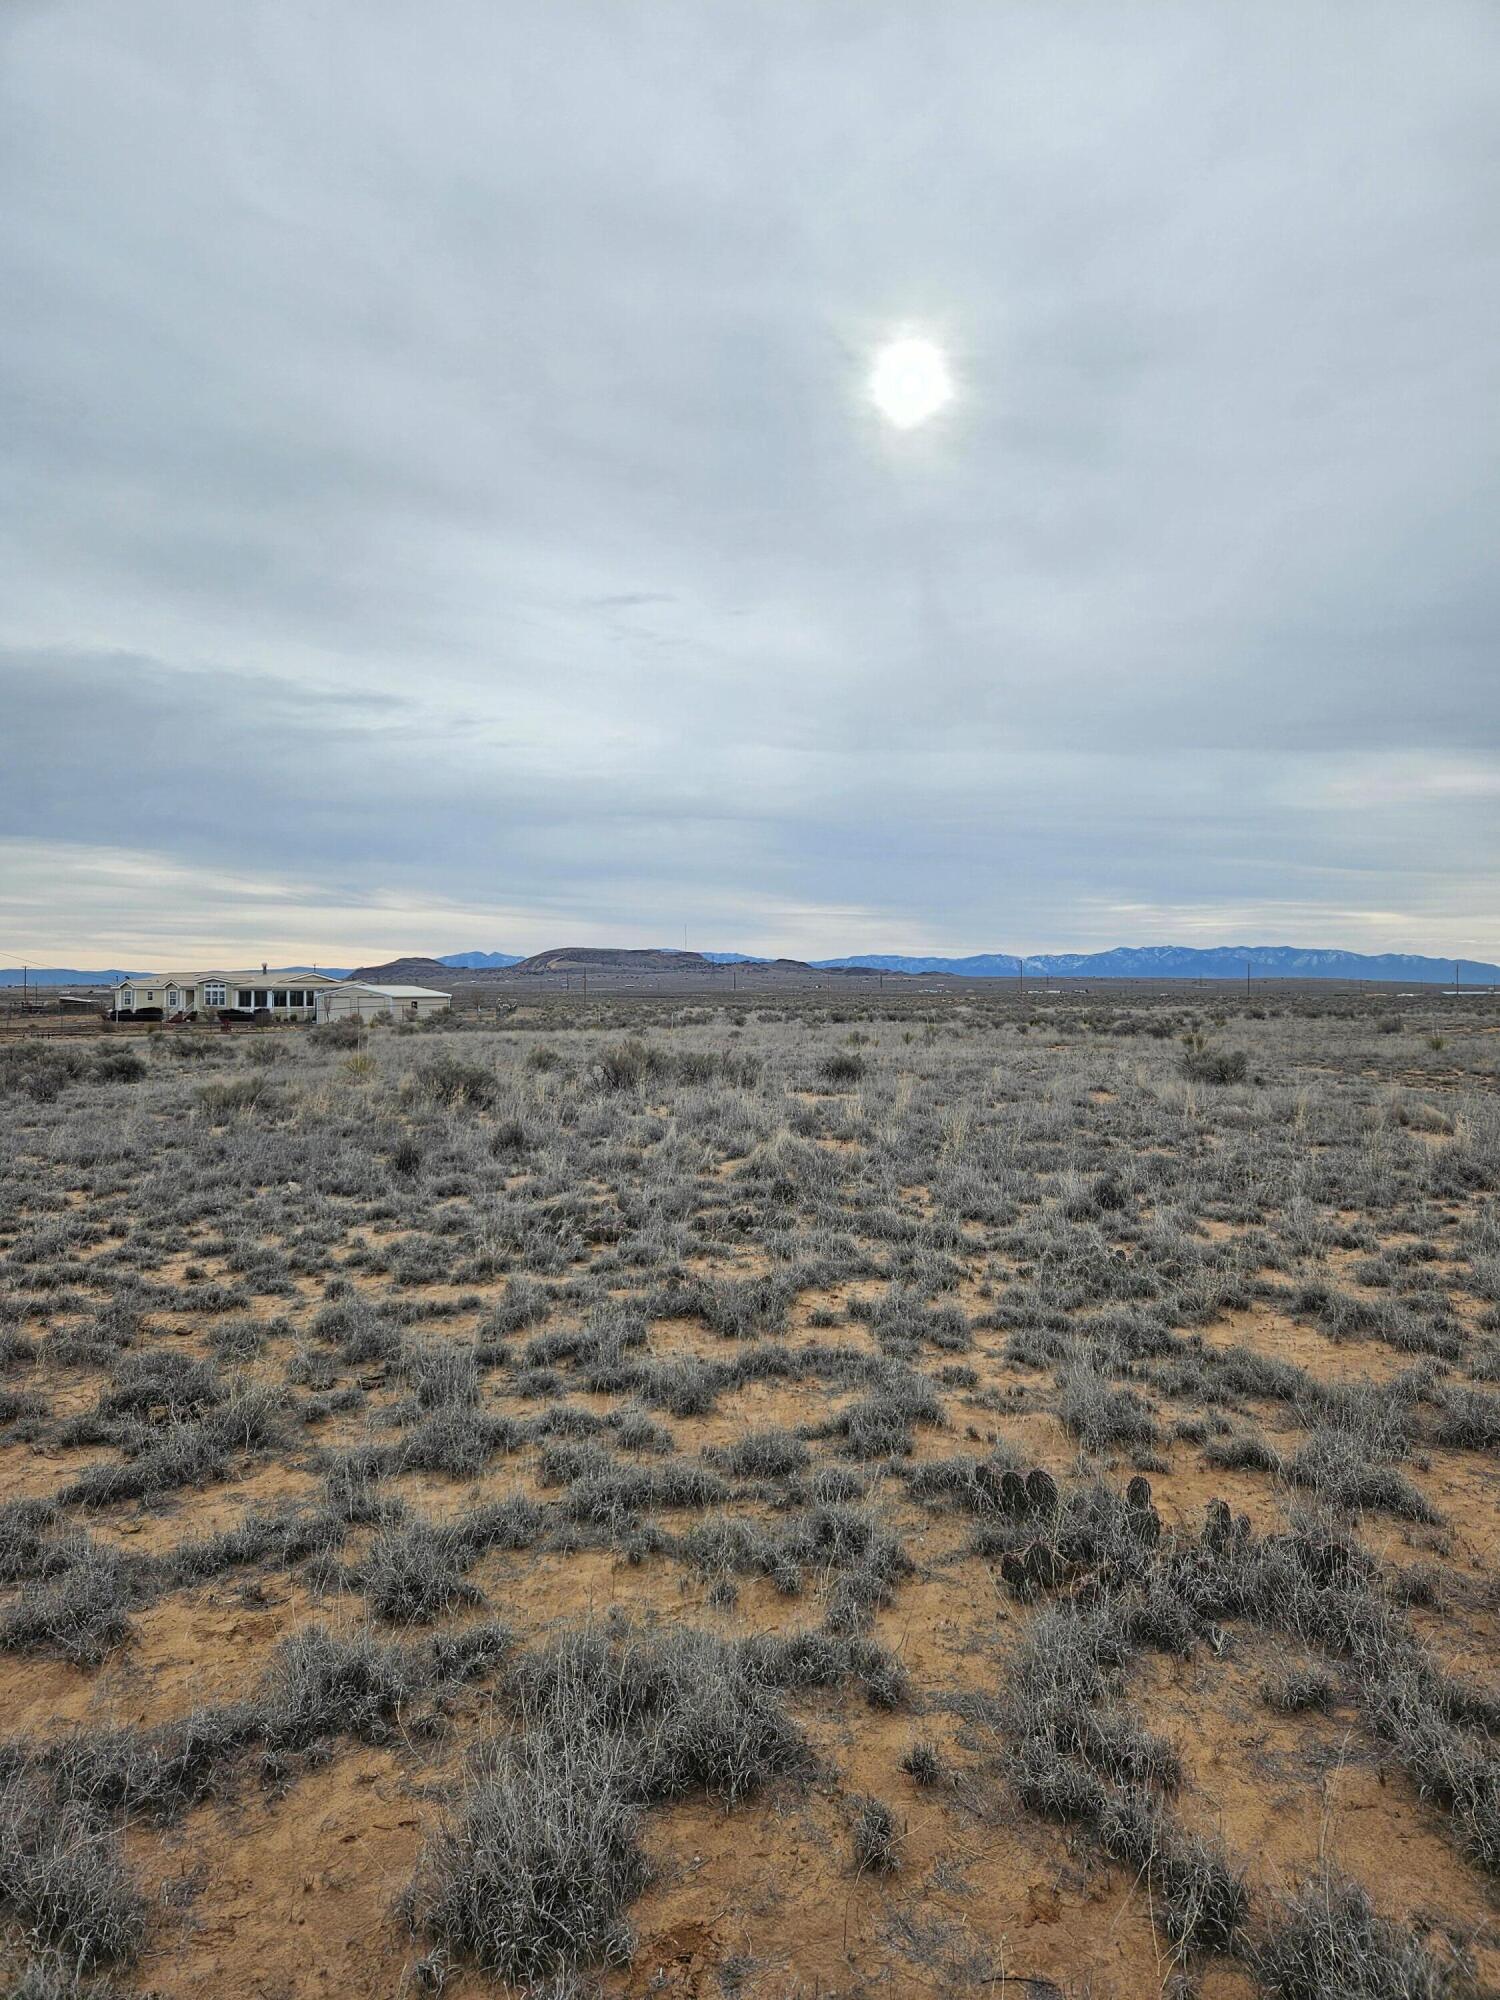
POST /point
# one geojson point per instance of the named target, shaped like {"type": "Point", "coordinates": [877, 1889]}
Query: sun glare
{"type": "Point", "coordinates": [910, 381]}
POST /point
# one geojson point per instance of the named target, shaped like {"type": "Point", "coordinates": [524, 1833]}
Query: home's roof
{"type": "Point", "coordinates": [277, 975]}
{"type": "Point", "coordinates": [393, 992]}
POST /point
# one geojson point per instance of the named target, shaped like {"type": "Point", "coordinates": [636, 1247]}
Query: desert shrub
{"type": "Point", "coordinates": [15, 1346]}
{"type": "Point", "coordinates": [28, 1550]}
{"type": "Point", "coordinates": [875, 1838]}
{"type": "Point", "coordinates": [1468, 1419]}
{"type": "Point", "coordinates": [461, 1086]}
{"type": "Point", "coordinates": [523, 1303]}
{"type": "Point", "coordinates": [98, 1342]}
{"type": "Point", "coordinates": [628, 1065]}
{"type": "Point", "coordinates": [1328, 1941]}
{"type": "Point", "coordinates": [1244, 1451]}
{"type": "Point", "coordinates": [358, 1328]}
{"type": "Point", "coordinates": [533, 1872]}
{"type": "Point", "coordinates": [1099, 1416]}
{"type": "Point", "coordinates": [1297, 1689]}
{"type": "Point", "coordinates": [346, 1033]}
{"type": "Point", "coordinates": [819, 1658]}
{"type": "Point", "coordinates": [22, 1407]}
{"type": "Point", "coordinates": [515, 1523]}
{"type": "Point", "coordinates": [609, 1496]}
{"type": "Point", "coordinates": [842, 1068]}
{"type": "Point", "coordinates": [118, 1066]}
{"type": "Point", "coordinates": [279, 1536]}
{"type": "Point", "coordinates": [220, 1102]}
{"type": "Point", "coordinates": [1340, 1465]}
{"type": "Point", "coordinates": [34, 1070]}
{"type": "Point", "coordinates": [458, 1440]}
{"type": "Point", "coordinates": [693, 1713]}
{"type": "Point", "coordinates": [730, 1547]}
{"type": "Point", "coordinates": [77, 1607]}
{"type": "Point", "coordinates": [190, 1451]}
{"type": "Point", "coordinates": [243, 1339]}
{"type": "Point", "coordinates": [880, 1425]}
{"type": "Point", "coordinates": [765, 1454]}
{"type": "Point", "coordinates": [923, 1763]}
{"type": "Point", "coordinates": [414, 1572]}
{"type": "Point", "coordinates": [637, 1432]}
{"type": "Point", "coordinates": [1216, 1066]}
{"type": "Point", "coordinates": [63, 1879]}
{"type": "Point", "coordinates": [441, 1373]}
{"type": "Point", "coordinates": [153, 1773]}
{"type": "Point", "coordinates": [319, 1684]}
{"type": "Point", "coordinates": [161, 1383]}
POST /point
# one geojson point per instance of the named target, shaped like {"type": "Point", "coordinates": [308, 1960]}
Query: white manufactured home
{"type": "Point", "coordinates": [284, 996]}
{"type": "Point", "coordinates": [355, 999]}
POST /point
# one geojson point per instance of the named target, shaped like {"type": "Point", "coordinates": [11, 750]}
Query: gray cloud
{"type": "Point", "coordinates": [437, 469]}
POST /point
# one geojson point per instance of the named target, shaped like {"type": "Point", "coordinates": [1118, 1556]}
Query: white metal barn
{"type": "Point", "coordinates": [403, 1003]}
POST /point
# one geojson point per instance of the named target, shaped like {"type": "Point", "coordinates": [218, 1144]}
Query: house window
{"type": "Point", "coordinates": [127, 997]}
{"type": "Point", "coordinates": [296, 998]}
{"type": "Point", "coordinates": [172, 998]}
{"type": "Point", "coordinates": [262, 997]}
{"type": "Point", "coordinates": [279, 997]}
{"type": "Point", "coordinates": [245, 997]}
{"type": "Point", "coordinates": [213, 996]}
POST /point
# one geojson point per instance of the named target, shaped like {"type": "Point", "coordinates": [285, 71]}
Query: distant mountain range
{"type": "Point", "coordinates": [1193, 963]}
{"type": "Point", "coordinates": [64, 975]}
{"type": "Point", "coordinates": [71, 975]}
{"type": "Point", "coordinates": [1163, 961]}
{"type": "Point", "coordinates": [1157, 961]}
{"type": "Point", "coordinates": [1170, 961]}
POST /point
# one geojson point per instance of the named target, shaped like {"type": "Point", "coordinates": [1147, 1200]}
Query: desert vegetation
{"type": "Point", "coordinates": [947, 1495]}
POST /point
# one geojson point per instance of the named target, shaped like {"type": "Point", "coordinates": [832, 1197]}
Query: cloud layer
{"type": "Point", "coordinates": [441, 505]}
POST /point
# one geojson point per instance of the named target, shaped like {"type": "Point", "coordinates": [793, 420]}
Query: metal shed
{"type": "Point", "coordinates": [354, 997]}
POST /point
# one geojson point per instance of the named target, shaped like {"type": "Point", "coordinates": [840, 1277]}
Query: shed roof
{"type": "Point", "coordinates": [392, 992]}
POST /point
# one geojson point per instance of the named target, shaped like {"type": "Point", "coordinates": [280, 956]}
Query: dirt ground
{"type": "Point", "coordinates": [1020, 1492]}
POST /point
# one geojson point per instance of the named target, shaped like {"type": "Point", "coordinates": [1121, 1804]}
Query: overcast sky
{"type": "Point", "coordinates": [441, 505]}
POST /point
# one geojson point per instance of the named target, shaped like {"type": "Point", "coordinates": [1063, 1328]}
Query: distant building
{"type": "Point", "coordinates": [284, 996]}
{"type": "Point", "coordinates": [357, 999]}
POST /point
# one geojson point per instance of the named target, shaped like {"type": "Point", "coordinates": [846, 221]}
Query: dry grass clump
{"type": "Point", "coordinates": [533, 1873]}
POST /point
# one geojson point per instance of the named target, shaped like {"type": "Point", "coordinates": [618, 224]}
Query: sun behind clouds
{"type": "Point", "coordinates": [910, 381]}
